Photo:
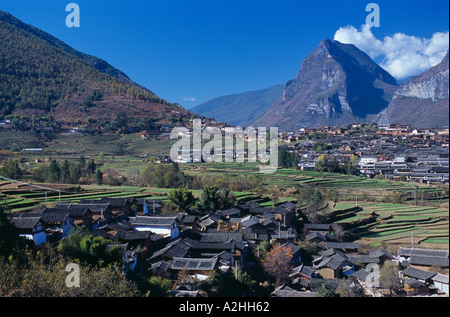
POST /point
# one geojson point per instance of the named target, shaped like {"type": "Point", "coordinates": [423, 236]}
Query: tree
{"type": "Point", "coordinates": [321, 146]}
{"type": "Point", "coordinates": [75, 174]}
{"type": "Point", "coordinates": [83, 246]}
{"type": "Point", "coordinates": [9, 236]}
{"type": "Point", "coordinates": [11, 170]}
{"type": "Point", "coordinates": [155, 286]}
{"type": "Point", "coordinates": [325, 291]}
{"type": "Point", "coordinates": [65, 172]}
{"type": "Point", "coordinates": [90, 169]}
{"type": "Point", "coordinates": [389, 278]}
{"type": "Point", "coordinates": [226, 199]}
{"type": "Point", "coordinates": [101, 157]}
{"type": "Point", "coordinates": [304, 195]}
{"type": "Point", "coordinates": [277, 263]}
{"type": "Point", "coordinates": [44, 275]}
{"type": "Point", "coordinates": [210, 198]}
{"type": "Point", "coordinates": [275, 193]}
{"type": "Point", "coordinates": [82, 162]}
{"type": "Point", "coordinates": [182, 199]}
{"type": "Point", "coordinates": [287, 159]}
{"type": "Point", "coordinates": [54, 172]}
{"type": "Point", "coordinates": [346, 289]}
{"type": "Point", "coordinates": [163, 176]}
{"type": "Point", "coordinates": [99, 177]}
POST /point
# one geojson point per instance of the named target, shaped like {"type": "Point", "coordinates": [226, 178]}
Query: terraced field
{"type": "Point", "coordinates": [400, 224]}
{"type": "Point", "coordinates": [19, 199]}
{"type": "Point", "coordinates": [22, 200]}
{"type": "Point", "coordinates": [348, 186]}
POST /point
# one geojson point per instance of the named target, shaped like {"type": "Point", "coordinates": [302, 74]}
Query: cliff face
{"type": "Point", "coordinates": [337, 84]}
{"type": "Point", "coordinates": [423, 101]}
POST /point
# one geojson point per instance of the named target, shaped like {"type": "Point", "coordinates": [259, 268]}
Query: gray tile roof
{"type": "Point", "coordinates": [25, 222]}
{"type": "Point", "coordinates": [343, 245]}
{"type": "Point", "coordinates": [361, 275]}
{"type": "Point", "coordinates": [159, 221]}
{"type": "Point", "coordinates": [379, 253]}
{"type": "Point", "coordinates": [441, 278]}
{"type": "Point", "coordinates": [93, 207]}
{"type": "Point", "coordinates": [418, 274]}
{"type": "Point", "coordinates": [74, 210]}
{"type": "Point", "coordinates": [54, 215]}
{"type": "Point", "coordinates": [286, 291]}
{"type": "Point", "coordinates": [129, 235]}
{"type": "Point", "coordinates": [303, 270]}
{"type": "Point", "coordinates": [193, 264]}
{"type": "Point", "coordinates": [220, 237]}
{"type": "Point", "coordinates": [120, 226]}
{"type": "Point", "coordinates": [413, 282]}
{"type": "Point", "coordinates": [428, 261]}
{"type": "Point", "coordinates": [423, 252]}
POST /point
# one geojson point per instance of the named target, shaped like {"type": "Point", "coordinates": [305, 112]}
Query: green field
{"type": "Point", "coordinates": [130, 155]}
{"type": "Point", "coordinates": [397, 224]}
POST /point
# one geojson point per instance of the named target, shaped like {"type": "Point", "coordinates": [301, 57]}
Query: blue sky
{"type": "Point", "coordinates": [191, 51]}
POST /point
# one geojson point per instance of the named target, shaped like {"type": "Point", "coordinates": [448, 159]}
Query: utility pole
{"type": "Point", "coordinates": [36, 186]}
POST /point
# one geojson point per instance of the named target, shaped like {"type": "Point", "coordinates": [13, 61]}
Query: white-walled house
{"type": "Point", "coordinates": [165, 226]}
{"type": "Point", "coordinates": [31, 228]}
{"type": "Point", "coordinates": [440, 281]}
{"type": "Point", "coordinates": [57, 220]}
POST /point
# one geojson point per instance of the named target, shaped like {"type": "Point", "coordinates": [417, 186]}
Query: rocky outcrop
{"type": "Point", "coordinates": [423, 101]}
{"type": "Point", "coordinates": [337, 84]}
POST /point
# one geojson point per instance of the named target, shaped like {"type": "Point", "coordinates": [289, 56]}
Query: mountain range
{"type": "Point", "coordinates": [41, 76]}
{"type": "Point", "coordinates": [422, 101]}
{"type": "Point", "coordinates": [338, 84]}
{"type": "Point", "coordinates": [240, 109]}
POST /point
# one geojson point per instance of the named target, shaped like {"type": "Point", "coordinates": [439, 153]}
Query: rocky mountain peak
{"type": "Point", "coordinates": [422, 101]}
{"type": "Point", "coordinates": [336, 84]}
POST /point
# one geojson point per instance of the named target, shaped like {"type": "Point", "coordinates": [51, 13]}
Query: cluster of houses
{"type": "Point", "coordinates": [165, 245]}
{"type": "Point", "coordinates": [420, 271]}
{"type": "Point", "coordinates": [393, 152]}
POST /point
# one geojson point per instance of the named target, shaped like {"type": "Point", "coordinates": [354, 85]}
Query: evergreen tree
{"type": "Point", "coordinates": [11, 170]}
{"type": "Point", "coordinates": [54, 172]}
{"type": "Point", "coordinates": [99, 177]}
{"type": "Point", "coordinates": [182, 199]}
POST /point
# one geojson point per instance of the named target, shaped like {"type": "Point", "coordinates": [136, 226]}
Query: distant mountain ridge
{"type": "Point", "coordinates": [337, 84]}
{"type": "Point", "coordinates": [240, 109]}
{"type": "Point", "coordinates": [41, 76]}
{"type": "Point", "coordinates": [422, 101]}
{"type": "Point", "coordinates": [98, 63]}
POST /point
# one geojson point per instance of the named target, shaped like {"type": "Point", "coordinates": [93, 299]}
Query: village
{"type": "Point", "coordinates": [236, 239]}
{"type": "Point", "coordinates": [398, 152]}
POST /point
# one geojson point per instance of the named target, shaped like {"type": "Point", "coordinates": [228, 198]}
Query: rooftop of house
{"type": "Point", "coordinates": [441, 278]}
{"type": "Point", "coordinates": [192, 264]}
{"type": "Point", "coordinates": [25, 222]}
{"type": "Point", "coordinates": [158, 221]}
{"type": "Point", "coordinates": [55, 215]}
{"type": "Point", "coordinates": [92, 207]}
{"type": "Point", "coordinates": [417, 273]}
{"type": "Point", "coordinates": [407, 252]}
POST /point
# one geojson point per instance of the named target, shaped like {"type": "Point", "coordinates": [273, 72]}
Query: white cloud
{"type": "Point", "coordinates": [400, 54]}
{"type": "Point", "coordinates": [191, 99]}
